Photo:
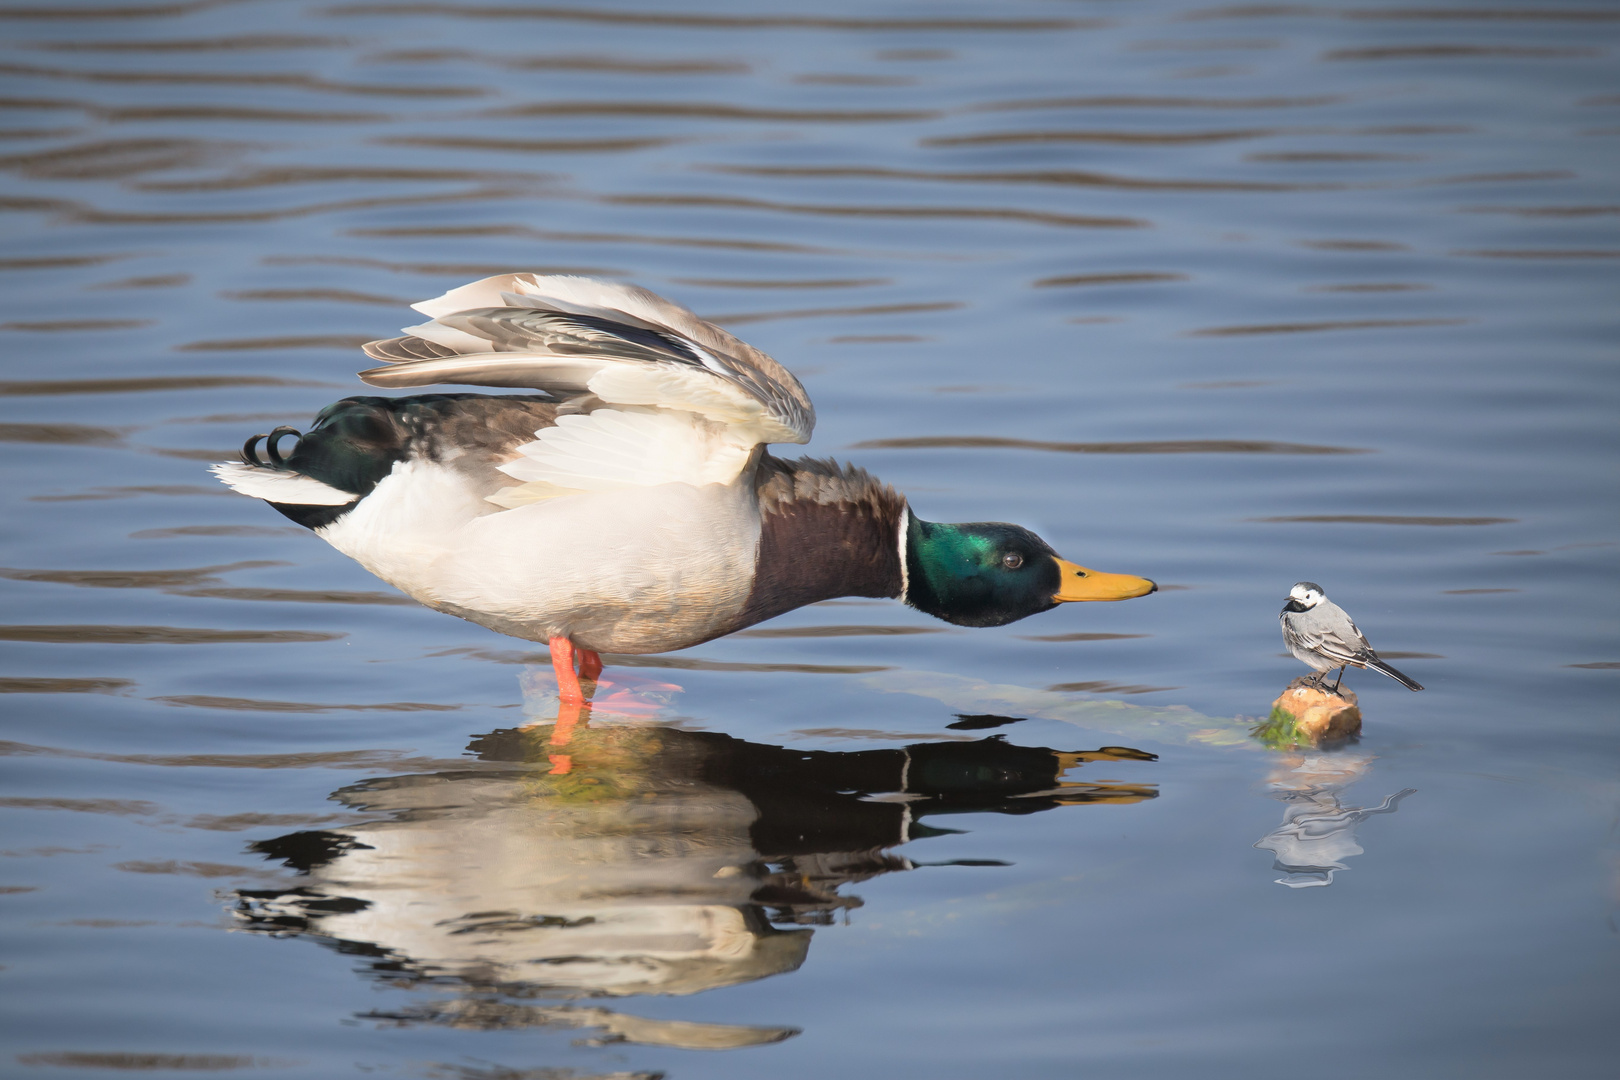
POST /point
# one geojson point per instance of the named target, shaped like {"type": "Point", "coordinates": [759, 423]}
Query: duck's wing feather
{"type": "Point", "coordinates": [574, 336]}
{"type": "Point", "coordinates": [610, 449]}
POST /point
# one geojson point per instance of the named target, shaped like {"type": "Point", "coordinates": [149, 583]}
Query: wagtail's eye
{"type": "Point", "coordinates": [1012, 560]}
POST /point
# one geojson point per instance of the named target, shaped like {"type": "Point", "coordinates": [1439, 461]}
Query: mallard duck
{"type": "Point", "coordinates": [630, 507]}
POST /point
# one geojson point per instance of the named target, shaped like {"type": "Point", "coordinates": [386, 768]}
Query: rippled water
{"type": "Point", "coordinates": [1227, 296]}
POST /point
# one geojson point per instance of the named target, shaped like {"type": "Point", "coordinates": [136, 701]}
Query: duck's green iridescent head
{"type": "Point", "coordinates": [991, 573]}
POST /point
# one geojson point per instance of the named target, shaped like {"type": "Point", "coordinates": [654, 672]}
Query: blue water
{"type": "Point", "coordinates": [1197, 273]}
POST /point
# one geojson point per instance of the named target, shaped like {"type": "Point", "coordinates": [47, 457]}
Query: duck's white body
{"type": "Point", "coordinates": [636, 570]}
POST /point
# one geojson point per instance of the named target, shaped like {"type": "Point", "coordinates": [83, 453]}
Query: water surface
{"type": "Point", "coordinates": [1229, 296]}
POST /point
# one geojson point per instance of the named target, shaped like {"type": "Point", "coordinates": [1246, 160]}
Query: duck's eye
{"type": "Point", "coordinates": [1012, 560]}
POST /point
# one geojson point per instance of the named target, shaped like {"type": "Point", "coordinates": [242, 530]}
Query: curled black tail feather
{"type": "Point", "coordinates": [250, 451]}
{"type": "Point", "coordinates": [1378, 665]}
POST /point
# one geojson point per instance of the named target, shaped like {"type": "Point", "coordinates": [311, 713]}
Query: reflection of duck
{"type": "Point", "coordinates": [664, 861]}
{"type": "Point", "coordinates": [632, 508]}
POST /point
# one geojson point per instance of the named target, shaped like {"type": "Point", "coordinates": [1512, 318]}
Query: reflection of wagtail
{"type": "Point", "coordinates": [1319, 633]}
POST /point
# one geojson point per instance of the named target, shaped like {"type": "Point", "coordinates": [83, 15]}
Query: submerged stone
{"type": "Point", "coordinates": [1305, 714]}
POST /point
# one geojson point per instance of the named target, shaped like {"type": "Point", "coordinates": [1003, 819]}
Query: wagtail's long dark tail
{"type": "Point", "coordinates": [1378, 665]}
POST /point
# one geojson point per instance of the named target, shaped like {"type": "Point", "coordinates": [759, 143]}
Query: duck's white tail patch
{"type": "Point", "coordinates": [279, 486]}
{"type": "Point", "coordinates": [610, 449]}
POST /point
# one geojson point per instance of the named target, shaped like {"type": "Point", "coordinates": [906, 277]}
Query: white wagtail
{"type": "Point", "coordinates": [1319, 633]}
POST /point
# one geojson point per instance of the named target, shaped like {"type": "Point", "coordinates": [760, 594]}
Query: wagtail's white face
{"type": "Point", "coordinates": [1307, 594]}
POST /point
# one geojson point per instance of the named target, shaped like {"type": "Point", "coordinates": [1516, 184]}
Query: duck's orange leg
{"type": "Point", "coordinates": [572, 707]}
{"type": "Point", "coordinates": [562, 662]}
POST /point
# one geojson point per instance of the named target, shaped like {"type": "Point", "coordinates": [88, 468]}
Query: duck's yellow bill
{"type": "Point", "coordinates": [1078, 583]}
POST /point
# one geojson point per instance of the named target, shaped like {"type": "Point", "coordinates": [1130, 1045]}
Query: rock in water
{"type": "Point", "coordinates": [1307, 715]}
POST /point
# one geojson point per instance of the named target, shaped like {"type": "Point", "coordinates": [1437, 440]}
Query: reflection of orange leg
{"type": "Point", "coordinates": [562, 662]}
{"type": "Point", "coordinates": [568, 718]}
